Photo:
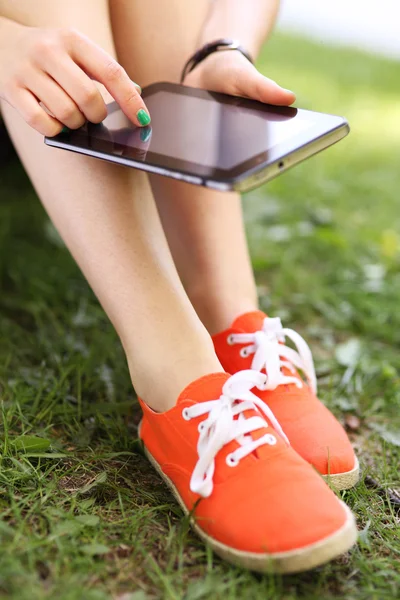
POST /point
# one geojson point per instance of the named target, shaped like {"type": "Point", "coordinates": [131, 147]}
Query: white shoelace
{"type": "Point", "coordinates": [221, 427]}
{"type": "Point", "coordinates": [268, 348]}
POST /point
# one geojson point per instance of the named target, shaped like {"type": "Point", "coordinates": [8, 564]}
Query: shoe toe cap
{"type": "Point", "coordinates": [286, 508]}
{"type": "Point", "coordinates": [316, 434]}
{"type": "Point", "coordinates": [328, 449]}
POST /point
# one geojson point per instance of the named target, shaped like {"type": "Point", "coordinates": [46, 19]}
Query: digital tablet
{"type": "Point", "coordinates": [205, 138]}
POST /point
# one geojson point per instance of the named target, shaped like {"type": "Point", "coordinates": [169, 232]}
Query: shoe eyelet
{"type": "Point", "coordinates": [231, 461]}
{"type": "Point", "coordinates": [244, 353]}
{"type": "Point", "coordinates": [270, 439]}
{"type": "Point", "coordinates": [185, 414]}
{"type": "Point", "coordinates": [200, 428]}
{"type": "Point", "coordinates": [264, 385]}
{"type": "Point", "coordinates": [230, 340]}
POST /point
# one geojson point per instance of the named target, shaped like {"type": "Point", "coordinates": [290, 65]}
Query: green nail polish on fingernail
{"type": "Point", "coordinates": [65, 130]}
{"type": "Point", "coordinates": [143, 117]}
{"type": "Point", "coordinates": [137, 86]}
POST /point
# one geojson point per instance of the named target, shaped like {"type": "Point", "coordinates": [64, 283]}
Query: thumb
{"type": "Point", "coordinates": [256, 86]}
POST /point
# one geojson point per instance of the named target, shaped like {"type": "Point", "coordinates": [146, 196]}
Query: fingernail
{"type": "Point", "coordinates": [145, 134]}
{"type": "Point", "coordinates": [64, 130]}
{"type": "Point", "coordinates": [137, 86]}
{"type": "Point", "coordinates": [288, 91]}
{"type": "Point", "coordinates": [143, 117]}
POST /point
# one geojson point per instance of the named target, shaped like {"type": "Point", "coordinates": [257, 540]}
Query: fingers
{"type": "Point", "coordinates": [102, 67]}
{"type": "Point", "coordinates": [256, 86]}
{"type": "Point", "coordinates": [60, 104]}
{"type": "Point", "coordinates": [269, 91]}
{"type": "Point", "coordinates": [79, 87]}
{"type": "Point", "coordinates": [30, 110]}
{"type": "Point", "coordinates": [232, 73]}
{"type": "Point", "coordinates": [55, 73]}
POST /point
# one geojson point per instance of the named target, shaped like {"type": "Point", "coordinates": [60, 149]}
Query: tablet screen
{"type": "Point", "coordinates": [205, 132]}
{"type": "Point", "coordinates": [205, 137]}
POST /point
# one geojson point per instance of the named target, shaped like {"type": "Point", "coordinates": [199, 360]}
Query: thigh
{"type": "Point", "coordinates": [154, 38]}
{"type": "Point", "coordinates": [90, 17]}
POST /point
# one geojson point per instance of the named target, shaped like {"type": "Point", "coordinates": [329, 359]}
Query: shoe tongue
{"type": "Point", "coordinates": [250, 322]}
{"type": "Point", "coordinates": [208, 388]}
{"type": "Point", "coordinates": [205, 388]}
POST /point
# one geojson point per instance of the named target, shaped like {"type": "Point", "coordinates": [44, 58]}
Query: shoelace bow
{"type": "Point", "coordinates": [268, 347]}
{"type": "Point", "coordinates": [226, 422]}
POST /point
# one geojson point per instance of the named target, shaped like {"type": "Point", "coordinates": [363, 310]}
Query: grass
{"type": "Point", "coordinates": [86, 517]}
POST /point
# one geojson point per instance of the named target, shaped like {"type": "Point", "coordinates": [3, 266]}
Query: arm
{"type": "Point", "coordinates": [250, 22]}
{"type": "Point", "coordinates": [230, 72]}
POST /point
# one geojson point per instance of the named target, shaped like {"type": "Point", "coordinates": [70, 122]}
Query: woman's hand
{"type": "Point", "coordinates": [231, 73]}
{"type": "Point", "coordinates": [56, 67]}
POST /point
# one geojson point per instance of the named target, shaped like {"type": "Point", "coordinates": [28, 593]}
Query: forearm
{"type": "Point", "coordinates": [249, 22]}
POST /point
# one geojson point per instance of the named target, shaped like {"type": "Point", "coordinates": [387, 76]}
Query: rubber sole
{"type": "Point", "coordinates": [344, 481]}
{"type": "Point", "coordinates": [293, 561]}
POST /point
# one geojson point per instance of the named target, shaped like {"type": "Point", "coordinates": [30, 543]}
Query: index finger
{"type": "Point", "coordinates": [104, 68]}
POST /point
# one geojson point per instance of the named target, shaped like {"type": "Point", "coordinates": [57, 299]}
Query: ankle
{"type": "Point", "coordinates": [159, 379]}
{"type": "Point", "coordinates": [218, 311]}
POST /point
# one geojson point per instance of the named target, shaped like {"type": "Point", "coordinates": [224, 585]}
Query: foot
{"type": "Point", "coordinates": [250, 496]}
{"type": "Point", "coordinates": [257, 342]}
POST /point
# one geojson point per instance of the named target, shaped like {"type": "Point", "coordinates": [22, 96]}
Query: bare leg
{"type": "Point", "coordinates": [206, 235]}
{"type": "Point", "coordinates": [107, 217]}
{"type": "Point", "coordinates": [204, 228]}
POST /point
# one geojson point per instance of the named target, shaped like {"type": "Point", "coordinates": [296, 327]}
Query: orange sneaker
{"type": "Point", "coordinates": [252, 498]}
{"type": "Point", "coordinates": [258, 342]}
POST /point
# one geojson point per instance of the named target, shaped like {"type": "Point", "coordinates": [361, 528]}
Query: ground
{"type": "Point", "coordinates": [82, 514]}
